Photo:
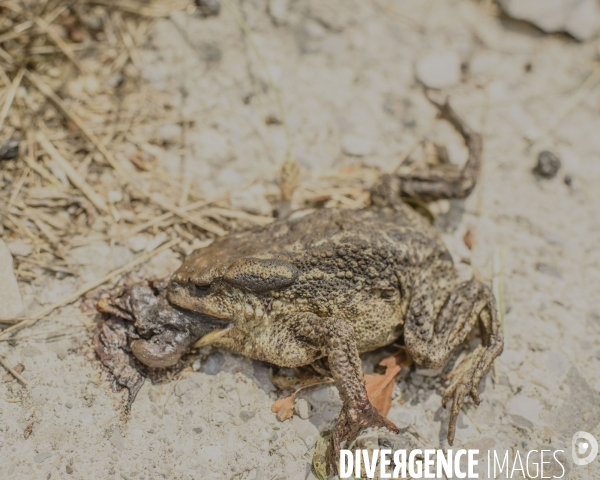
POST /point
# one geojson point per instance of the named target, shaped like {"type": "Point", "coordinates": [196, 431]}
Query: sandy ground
{"type": "Point", "coordinates": [346, 71]}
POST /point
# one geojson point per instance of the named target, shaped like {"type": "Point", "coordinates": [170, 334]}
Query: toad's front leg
{"type": "Point", "coordinates": [335, 338]}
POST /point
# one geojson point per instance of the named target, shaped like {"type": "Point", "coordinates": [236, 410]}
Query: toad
{"type": "Point", "coordinates": [331, 284]}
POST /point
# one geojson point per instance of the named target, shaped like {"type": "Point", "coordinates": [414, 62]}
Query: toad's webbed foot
{"type": "Point", "coordinates": [431, 341]}
{"type": "Point", "coordinates": [465, 381]}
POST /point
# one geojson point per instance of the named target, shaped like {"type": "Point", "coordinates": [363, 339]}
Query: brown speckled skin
{"type": "Point", "coordinates": [362, 267]}
{"type": "Point", "coordinates": [337, 282]}
{"type": "Point", "coordinates": [363, 278]}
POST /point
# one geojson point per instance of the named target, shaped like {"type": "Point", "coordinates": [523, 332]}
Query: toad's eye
{"type": "Point", "coordinates": [201, 290]}
{"type": "Point", "coordinates": [259, 275]}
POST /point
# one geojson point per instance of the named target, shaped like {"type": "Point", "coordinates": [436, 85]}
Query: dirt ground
{"type": "Point", "coordinates": [346, 75]}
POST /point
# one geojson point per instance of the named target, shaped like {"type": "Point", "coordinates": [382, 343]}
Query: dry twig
{"type": "Point", "coordinates": [12, 371]}
{"type": "Point", "coordinates": [11, 96]}
{"type": "Point", "coordinates": [75, 178]}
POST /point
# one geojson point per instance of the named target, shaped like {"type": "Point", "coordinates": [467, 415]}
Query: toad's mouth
{"type": "Point", "coordinates": [177, 330]}
{"type": "Point", "coordinates": [162, 349]}
{"type": "Point", "coordinates": [139, 323]}
{"type": "Point", "coordinates": [165, 348]}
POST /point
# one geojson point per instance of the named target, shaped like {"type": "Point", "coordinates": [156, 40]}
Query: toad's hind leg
{"type": "Point", "coordinates": [430, 343]}
{"type": "Point", "coordinates": [435, 185]}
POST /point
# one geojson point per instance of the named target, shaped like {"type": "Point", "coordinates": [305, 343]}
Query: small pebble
{"type": "Point", "coordinates": [428, 372]}
{"type": "Point", "coordinates": [548, 270]}
{"type": "Point", "coordinates": [356, 145]}
{"type": "Point", "coordinates": [213, 364]}
{"type": "Point", "coordinates": [244, 396]}
{"type": "Point", "coordinates": [261, 374]}
{"type": "Point", "coordinates": [305, 430]}
{"type": "Point", "coordinates": [11, 304]}
{"type": "Point", "coordinates": [579, 18]}
{"type": "Point", "coordinates": [320, 395]}
{"type": "Point", "coordinates": [115, 80]}
{"type": "Point", "coordinates": [547, 166]}
{"type": "Point", "coordinates": [522, 407]}
{"type": "Point", "coordinates": [302, 408]}
{"type": "Point", "coordinates": [208, 8]}
{"type": "Point", "coordinates": [117, 440]}
{"type": "Point", "coordinates": [184, 386]}
{"type": "Point", "coordinates": [369, 439]}
{"type": "Point", "coordinates": [40, 457]}
{"type": "Point", "coordinates": [170, 132]}
{"type": "Point", "coordinates": [439, 70]}
{"type": "Point", "coordinates": [137, 243]}
{"type": "Point", "coordinates": [330, 413]}
{"type": "Point", "coordinates": [278, 10]}
{"type": "Point", "coordinates": [19, 247]}
{"type": "Point", "coordinates": [246, 415]}
{"type": "Point", "coordinates": [9, 149]}
{"type": "Point", "coordinates": [402, 416]}
{"type": "Point", "coordinates": [69, 404]}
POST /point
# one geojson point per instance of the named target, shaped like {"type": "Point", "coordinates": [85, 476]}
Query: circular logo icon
{"type": "Point", "coordinates": [584, 444]}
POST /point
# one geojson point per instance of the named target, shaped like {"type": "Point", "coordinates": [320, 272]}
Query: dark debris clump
{"type": "Point", "coordinates": [9, 149]}
{"type": "Point", "coordinates": [547, 166]}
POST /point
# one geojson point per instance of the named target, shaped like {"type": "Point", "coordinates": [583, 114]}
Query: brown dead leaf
{"type": "Point", "coordinates": [469, 239]}
{"type": "Point", "coordinates": [284, 407]}
{"type": "Point", "coordinates": [379, 390]}
{"type": "Point", "coordinates": [381, 387]}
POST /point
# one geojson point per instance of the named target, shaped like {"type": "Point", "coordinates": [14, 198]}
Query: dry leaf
{"type": "Point", "coordinates": [468, 239]}
{"type": "Point", "coordinates": [381, 387]}
{"type": "Point", "coordinates": [379, 390]}
{"type": "Point", "coordinates": [284, 407]}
